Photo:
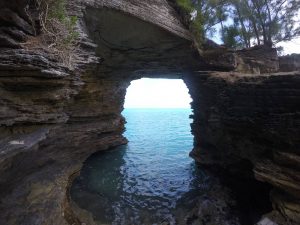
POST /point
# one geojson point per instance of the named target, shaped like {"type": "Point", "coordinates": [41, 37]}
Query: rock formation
{"type": "Point", "coordinates": [52, 117]}
{"type": "Point", "coordinates": [289, 62]}
{"type": "Point", "coordinates": [244, 119]}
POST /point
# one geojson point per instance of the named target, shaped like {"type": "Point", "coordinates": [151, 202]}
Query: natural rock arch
{"type": "Point", "coordinates": [52, 118]}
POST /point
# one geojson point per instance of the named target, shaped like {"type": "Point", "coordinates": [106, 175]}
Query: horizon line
{"type": "Point", "coordinates": [157, 107]}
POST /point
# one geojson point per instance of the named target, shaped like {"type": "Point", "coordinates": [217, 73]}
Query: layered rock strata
{"type": "Point", "coordinates": [244, 119]}
{"type": "Point", "coordinates": [53, 117]}
{"type": "Point", "coordinates": [289, 63]}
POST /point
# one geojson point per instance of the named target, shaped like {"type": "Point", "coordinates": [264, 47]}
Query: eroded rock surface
{"type": "Point", "coordinates": [289, 62]}
{"type": "Point", "coordinates": [53, 117]}
{"type": "Point", "coordinates": [254, 118]}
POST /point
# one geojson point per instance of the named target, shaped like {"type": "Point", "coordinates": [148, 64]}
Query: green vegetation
{"type": "Point", "coordinates": [231, 37]}
{"type": "Point", "coordinates": [58, 29]}
{"type": "Point", "coordinates": [196, 23]}
{"type": "Point", "coordinates": [244, 23]}
{"type": "Point", "coordinates": [198, 29]}
{"type": "Point", "coordinates": [186, 5]}
{"type": "Point", "coordinates": [264, 22]}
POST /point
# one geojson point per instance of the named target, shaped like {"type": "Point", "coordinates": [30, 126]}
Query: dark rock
{"type": "Point", "coordinates": [258, 59]}
{"type": "Point", "coordinates": [255, 60]}
{"type": "Point", "coordinates": [250, 117]}
{"type": "Point", "coordinates": [6, 41]}
{"type": "Point", "coordinates": [53, 117]}
{"type": "Point", "coordinates": [15, 33]}
{"type": "Point", "coordinates": [289, 63]}
{"type": "Point", "coordinates": [11, 18]}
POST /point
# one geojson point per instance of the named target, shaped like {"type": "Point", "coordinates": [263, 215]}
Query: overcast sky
{"type": "Point", "coordinates": [157, 93]}
{"type": "Point", "coordinates": [290, 47]}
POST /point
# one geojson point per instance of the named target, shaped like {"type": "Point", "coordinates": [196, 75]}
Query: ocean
{"type": "Point", "coordinates": [151, 180]}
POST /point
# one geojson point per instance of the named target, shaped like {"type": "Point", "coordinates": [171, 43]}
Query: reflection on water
{"type": "Point", "coordinates": [149, 181]}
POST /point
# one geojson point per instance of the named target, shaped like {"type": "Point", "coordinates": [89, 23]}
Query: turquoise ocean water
{"type": "Point", "coordinates": [151, 180]}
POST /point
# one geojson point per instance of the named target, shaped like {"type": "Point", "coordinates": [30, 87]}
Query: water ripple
{"type": "Point", "coordinates": [146, 181]}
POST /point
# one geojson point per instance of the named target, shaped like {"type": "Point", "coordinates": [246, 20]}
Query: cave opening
{"type": "Point", "coordinates": [151, 179]}
{"type": "Point", "coordinates": [52, 118]}
{"type": "Point", "coordinates": [157, 93]}
{"type": "Point", "coordinates": [124, 186]}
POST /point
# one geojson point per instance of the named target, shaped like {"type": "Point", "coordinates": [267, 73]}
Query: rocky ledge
{"type": "Point", "coordinates": [250, 124]}
{"type": "Point", "coordinates": [53, 117]}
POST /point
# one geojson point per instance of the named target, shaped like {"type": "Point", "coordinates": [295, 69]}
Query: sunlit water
{"type": "Point", "coordinates": [151, 180]}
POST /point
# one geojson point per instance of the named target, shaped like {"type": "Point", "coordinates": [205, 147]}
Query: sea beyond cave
{"type": "Point", "coordinates": [152, 179]}
{"type": "Point", "coordinates": [148, 181]}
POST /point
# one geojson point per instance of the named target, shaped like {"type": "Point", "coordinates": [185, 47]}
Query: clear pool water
{"type": "Point", "coordinates": [151, 180]}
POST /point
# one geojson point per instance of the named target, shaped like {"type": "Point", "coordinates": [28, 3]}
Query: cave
{"type": "Point", "coordinates": [245, 110]}
{"type": "Point", "coordinates": [151, 179]}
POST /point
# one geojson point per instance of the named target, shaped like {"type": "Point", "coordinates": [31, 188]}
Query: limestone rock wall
{"type": "Point", "coordinates": [53, 117]}
{"type": "Point", "coordinates": [157, 12]}
{"type": "Point", "coordinates": [49, 126]}
{"type": "Point", "coordinates": [289, 62]}
{"type": "Point", "coordinates": [242, 118]}
{"type": "Point", "coordinates": [255, 60]}
{"type": "Point", "coordinates": [258, 59]}
{"type": "Point", "coordinates": [15, 23]}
